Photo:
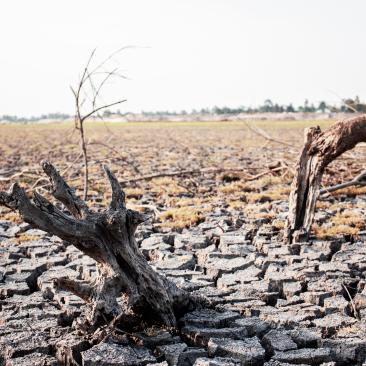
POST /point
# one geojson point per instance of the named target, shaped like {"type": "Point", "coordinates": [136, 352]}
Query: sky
{"type": "Point", "coordinates": [186, 54]}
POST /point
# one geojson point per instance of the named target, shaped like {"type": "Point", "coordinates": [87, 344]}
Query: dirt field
{"type": "Point", "coordinates": [217, 197]}
{"type": "Point", "coordinates": [228, 164]}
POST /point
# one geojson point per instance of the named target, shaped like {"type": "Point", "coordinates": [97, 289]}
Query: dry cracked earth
{"type": "Point", "coordinates": [272, 304]}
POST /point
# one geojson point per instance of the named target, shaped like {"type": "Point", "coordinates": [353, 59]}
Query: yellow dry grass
{"type": "Point", "coordinates": [279, 224]}
{"type": "Point", "coordinates": [321, 205]}
{"type": "Point", "coordinates": [334, 231]}
{"type": "Point", "coordinates": [264, 215]}
{"type": "Point", "coordinates": [22, 238]}
{"type": "Point", "coordinates": [349, 218]}
{"type": "Point", "coordinates": [278, 193]}
{"type": "Point", "coordinates": [181, 217]}
{"type": "Point", "coordinates": [133, 192]}
{"type": "Point", "coordinates": [184, 202]}
{"type": "Point", "coordinates": [237, 204]}
{"type": "Point", "coordinates": [235, 187]}
{"type": "Point", "coordinates": [167, 186]}
{"type": "Point", "coordinates": [12, 217]}
{"type": "Point", "coordinates": [350, 191]}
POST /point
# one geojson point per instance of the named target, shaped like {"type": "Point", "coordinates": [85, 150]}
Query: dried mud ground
{"type": "Point", "coordinates": [217, 214]}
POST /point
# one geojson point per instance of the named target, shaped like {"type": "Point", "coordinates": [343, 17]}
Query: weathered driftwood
{"type": "Point", "coordinates": [320, 149]}
{"type": "Point", "coordinates": [358, 181]}
{"type": "Point", "coordinates": [108, 238]}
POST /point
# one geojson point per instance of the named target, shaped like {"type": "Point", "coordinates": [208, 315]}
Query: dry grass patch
{"type": "Point", "coordinates": [279, 193]}
{"type": "Point", "coordinates": [264, 215]}
{"type": "Point", "coordinates": [166, 186]}
{"type": "Point", "coordinates": [136, 193]}
{"type": "Point", "coordinates": [339, 230]}
{"type": "Point", "coordinates": [22, 238]}
{"type": "Point", "coordinates": [185, 202]}
{"type": "Point", "coordinates": [322, 205]}
{"type": "Point", "coordinates": [279, 224]}
{"type": "Point", "coordinates": [350, 191]}
{"type": "Point", "coordinates": [237, 204]}
{"type": "Point", "coordinates": [349, 218]}
{"type": "Point", "coordinates": [12, 217]}
{"type": "Point", "coordinates": [235, 187]}
{"type": "Point", "coordinates": [270, 180]}
{"type": "Point", "coordinates": [346, 205]}
{"type": "Point", "coordinates": [257, 211]}
{"type": "Point", "coordinates": [182, 217]}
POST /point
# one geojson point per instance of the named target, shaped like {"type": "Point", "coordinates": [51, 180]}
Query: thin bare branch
{"type": "Point", "coordinates": [102, 107]}
{"type": "Point", "coordinates": [260, 132]}
{"type": "Point", "coordinates": [98, 90]}
{"type": "Point", "coordinates": [85, 73]}
{"type": "Point", "coordinates": [110, 57]}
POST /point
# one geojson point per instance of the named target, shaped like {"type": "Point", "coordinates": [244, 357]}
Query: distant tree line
{"type": "Point", "coordinates": [55, 116]}
{"type": "Point", "coordinates": [349, 105]}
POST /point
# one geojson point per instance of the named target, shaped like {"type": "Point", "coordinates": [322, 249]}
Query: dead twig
{"type": "Point", "coordinates": [262, 133]}
{"type": "Point", "coordinates": [119, 157]}
{"type": "Point", "coordinates": [63, 173]}
{"type": "Point", "coordinates": [26, 173]}
{"type": "Point", "coordinates": [270, 171]}
{"type": "Point", "coordinates": [351, 301]}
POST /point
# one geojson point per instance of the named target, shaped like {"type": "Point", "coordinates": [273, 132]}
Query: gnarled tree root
{"type": "Point", "coordinates": [125, 279]}
{"type": "Point", "coordinates": [320, 149]}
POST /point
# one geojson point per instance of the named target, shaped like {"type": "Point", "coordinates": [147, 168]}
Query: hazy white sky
{"type": "Point", "coordinates": [190, 53]}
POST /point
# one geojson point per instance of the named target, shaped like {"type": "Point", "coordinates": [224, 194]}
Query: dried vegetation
{"type": "Point", "coordinates": [231, 167]}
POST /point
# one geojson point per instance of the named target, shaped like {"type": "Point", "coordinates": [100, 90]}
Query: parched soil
{"type": "Point", "coordinates": [217, 213]}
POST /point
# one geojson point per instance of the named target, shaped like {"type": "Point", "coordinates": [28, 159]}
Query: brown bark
{"type": "Point", "coordinates": [108, 238]}
{"type": "Point", "coordinates": [320, 149]}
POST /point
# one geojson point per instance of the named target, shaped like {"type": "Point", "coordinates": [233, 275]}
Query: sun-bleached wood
{"type": "Point", "coordinates": [319, 150]}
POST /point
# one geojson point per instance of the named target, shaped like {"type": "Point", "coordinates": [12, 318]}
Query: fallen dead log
{"type": "Point", "coordinates": [248, 177]}
{"type": "Point", "coordinates": [125, 281]}
{"type": "Point", "coordinates": [320, 149]}
{"type": "Point", "coordinates": [177, 173]}
{"type": "Point", "coordinates": [359, 180]}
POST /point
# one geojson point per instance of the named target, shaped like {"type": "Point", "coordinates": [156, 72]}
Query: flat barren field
{"type": "Point", "coordinates": [216, 195]}
{"type": "Point", "coordinates": [178, 171]}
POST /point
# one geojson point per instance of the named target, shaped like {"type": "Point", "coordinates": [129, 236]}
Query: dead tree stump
{"type": "Point", "coordinates": [108, 238]}
{"type": "Point", "coordinates": [320, 149]}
